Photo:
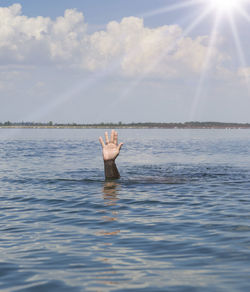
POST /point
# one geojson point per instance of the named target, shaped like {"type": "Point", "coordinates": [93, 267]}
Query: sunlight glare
{"type": "Point", "coordinates": [225, 5]}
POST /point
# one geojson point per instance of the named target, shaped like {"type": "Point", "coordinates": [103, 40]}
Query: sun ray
{"type": "Point", "coordinates": [204, 73]}
{"type": "Point", "coordinates": [170, 8]}
{"type": "Point", "coordinates": [196, 22]}
{"type": "Point", "coordinates": [243, 13]}
{"type": "Point", "coordinates": [239, 49]}
{"type": "Point", "coordinates": [72, 93]}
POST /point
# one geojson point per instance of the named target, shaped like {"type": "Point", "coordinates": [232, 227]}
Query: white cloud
{"type": "Point", "coordinates": [127, 46]}
{"type": "Point", "coordinates": [34, 40]}
{"type": "Point", "coordinates": [141, 50]}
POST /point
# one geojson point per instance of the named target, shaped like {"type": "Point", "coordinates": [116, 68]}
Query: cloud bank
{"type": "Point", "coordinates": [128, 46]}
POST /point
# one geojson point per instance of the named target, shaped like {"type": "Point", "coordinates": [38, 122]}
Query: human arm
{"type": "Point", "coordinates": [110, 151]}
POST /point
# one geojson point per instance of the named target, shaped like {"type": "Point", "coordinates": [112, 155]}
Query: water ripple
{"type": "Point", "coordinates": [177, 220]}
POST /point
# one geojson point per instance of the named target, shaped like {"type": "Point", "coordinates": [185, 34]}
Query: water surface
{"type": "Point", "coordinates": [177, 220]}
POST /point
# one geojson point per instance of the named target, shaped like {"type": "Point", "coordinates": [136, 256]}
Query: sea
{"type": "Point", "coordinates": [178, 219]}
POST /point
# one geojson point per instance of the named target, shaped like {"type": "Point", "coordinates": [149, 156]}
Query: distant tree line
{"type": "Point", "coordinates": [187, 125]}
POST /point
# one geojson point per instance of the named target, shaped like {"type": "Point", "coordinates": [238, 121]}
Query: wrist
{"type": "Point", "coordinates": [109, 160]}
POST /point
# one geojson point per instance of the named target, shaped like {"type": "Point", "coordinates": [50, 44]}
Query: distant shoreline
{"type": "Point", "coordinates": [187, 125]}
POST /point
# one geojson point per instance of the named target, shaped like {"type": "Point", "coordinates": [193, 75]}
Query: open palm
{"type": "Point", "coordinates": [110, 149]}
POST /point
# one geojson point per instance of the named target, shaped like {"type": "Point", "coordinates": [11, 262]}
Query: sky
{"type": "Point", "coordinates": [127, 61]}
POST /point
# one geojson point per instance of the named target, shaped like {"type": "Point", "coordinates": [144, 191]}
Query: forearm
{"type": "Point", "coordinates": [111, 171]}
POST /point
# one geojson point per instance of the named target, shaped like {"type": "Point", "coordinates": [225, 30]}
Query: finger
{"type": "Point", "coordinates": [112, 136]}
{"type": "Point", "coordinates": [116, 138]}
{"type": "Point", "coordinates": [101, 142]}
{"type": "Point", "coordinates": [106, 138]}
{"type": "Point", "coordinates": [120, 146]}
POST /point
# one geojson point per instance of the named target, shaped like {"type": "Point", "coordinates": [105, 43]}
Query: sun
{"type": "Point", "coordinates": [223, 6]}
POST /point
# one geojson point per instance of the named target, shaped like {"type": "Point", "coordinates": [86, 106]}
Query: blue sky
{"type": "Point", "coordinates": [114, 60]}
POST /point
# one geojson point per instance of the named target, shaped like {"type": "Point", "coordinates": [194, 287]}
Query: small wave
{"type": "Point", "coordinates": [170, 174]}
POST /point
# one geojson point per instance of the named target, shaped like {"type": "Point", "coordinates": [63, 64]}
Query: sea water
{"type": "Point", "coordinates": [177, 220]}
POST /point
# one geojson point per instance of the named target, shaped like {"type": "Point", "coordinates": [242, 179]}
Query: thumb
{"type": "Point", "coordinates": [120, 146]}
{"type": "Point", "coordinates": [101, 142]}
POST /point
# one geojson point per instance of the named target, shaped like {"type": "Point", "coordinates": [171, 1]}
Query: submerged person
{"type": "Point", "coordinates": [110, 151]}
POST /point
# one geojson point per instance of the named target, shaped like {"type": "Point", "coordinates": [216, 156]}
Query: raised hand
{"type": "Point", "coordinates": [110, 149]}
